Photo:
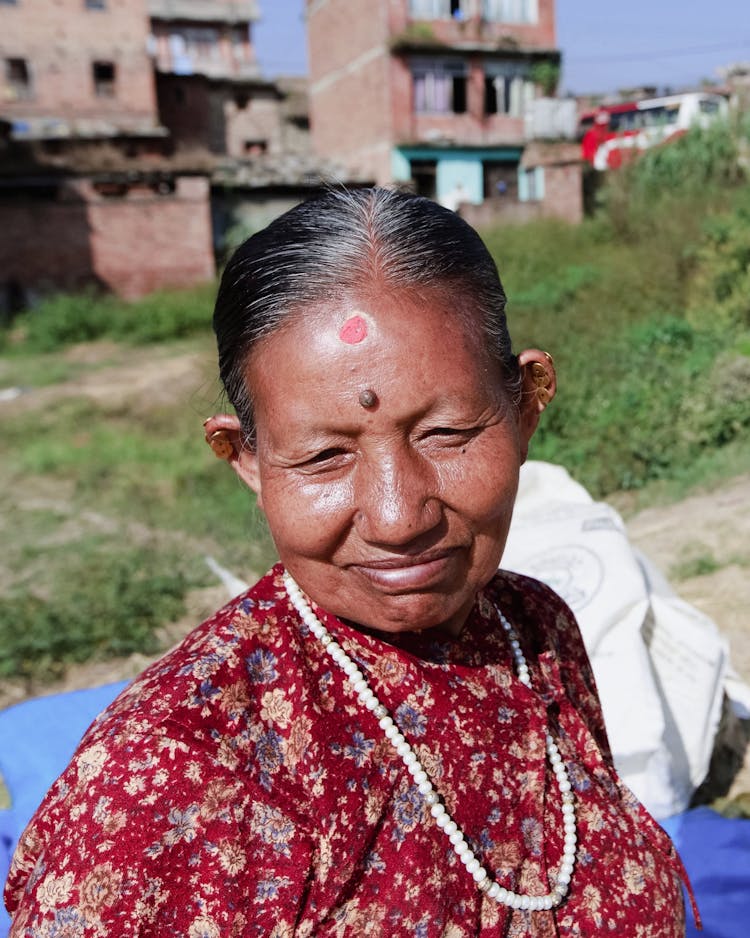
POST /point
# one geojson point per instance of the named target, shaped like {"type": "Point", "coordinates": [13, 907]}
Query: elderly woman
{"type": "Point", "coordinates": [385, 736]}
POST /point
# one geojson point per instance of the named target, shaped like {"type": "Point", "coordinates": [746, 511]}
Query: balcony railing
{"type": "Point", "coordinates": [223, 11]}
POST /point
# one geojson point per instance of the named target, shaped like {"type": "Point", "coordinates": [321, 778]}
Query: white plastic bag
{"type": "Point", "coordinates": [659, 664]}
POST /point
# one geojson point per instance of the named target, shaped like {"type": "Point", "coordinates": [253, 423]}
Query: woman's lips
{"type": "Point", "coordinates": [408, 573]}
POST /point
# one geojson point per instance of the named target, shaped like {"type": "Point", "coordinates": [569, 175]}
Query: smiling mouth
{"type": "Point", "coordinates": [405, 573]}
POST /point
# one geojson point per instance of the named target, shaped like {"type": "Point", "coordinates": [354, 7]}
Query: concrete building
{"type": "Point", "coordinates": [436, 93]}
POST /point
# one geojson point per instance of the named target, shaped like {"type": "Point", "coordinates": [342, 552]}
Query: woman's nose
{"type": "Point", "coordinates": [396, 499]}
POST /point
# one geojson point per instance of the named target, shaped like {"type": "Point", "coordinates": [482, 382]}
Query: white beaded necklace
{"type": "Point", "coordinates": [463, 851]}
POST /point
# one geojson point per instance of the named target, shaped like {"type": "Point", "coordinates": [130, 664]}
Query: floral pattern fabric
{"type": "Point", "coordinates": [238, 788]}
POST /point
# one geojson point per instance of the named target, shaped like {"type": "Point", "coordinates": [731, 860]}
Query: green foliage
{"type": "Point", "coordinates": [131, 502]}
{"type": "Point", "coordinates": [71, 318]}
{"type": "Point", "coordinates": [721, 288]}
{"type": "Point", "coordinates": [645, 308]}
{"type": "Point", "coordinates": [546, 75]}
{"type": "Point", "coordinates": [558, 291]}
{"type": "Point", "coordinates": [103, 601]}
{"type": "Point", "coordinates": [702, 157]}
{"type": "Point", "coordinates": [701, 563]}
{"type": "Point", "coordinates": [620, 420]}
{"type": "Point", "coordinates": [151, 468]}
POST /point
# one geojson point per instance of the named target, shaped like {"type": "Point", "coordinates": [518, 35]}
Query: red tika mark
{"type": "Point", "coordinates": [353, 331]}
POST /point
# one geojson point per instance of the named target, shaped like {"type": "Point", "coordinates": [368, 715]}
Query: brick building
{"type": "Point", "coordinates": [436, 92]}
{"type": "Point", "coordinates": [135, 137]}
{"type": "Point", "coordinates": [88, 190]}
{"type": "Point", "coordinates": [209, 88]}
{"type": "Point", "coordinates": [85, 59]}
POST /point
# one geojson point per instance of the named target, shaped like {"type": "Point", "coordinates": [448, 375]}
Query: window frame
{"type": "Point", "coordinates": [512, 84]}
{"type": "Point", "coordinates": [103, 87]}
{"type": "Point", "coordinates": [438, 9]}
{"type": "Point", "coordinates": [434, 72]}
{"type": "Point", "coordinates": [21, 90]}
{"type": "Point", "coordinates": [515, 12]}
{"type": "Point", "coordinates": [531, 184]}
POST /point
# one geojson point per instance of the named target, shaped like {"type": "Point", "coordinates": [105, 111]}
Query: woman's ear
{"type": "Point", "coordinates": [538, 387]}
{"type": "Point", "coordinates": [224, 436]}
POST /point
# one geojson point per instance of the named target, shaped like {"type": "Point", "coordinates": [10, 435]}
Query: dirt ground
{"type": "Point", "coordinates": [702, 544]}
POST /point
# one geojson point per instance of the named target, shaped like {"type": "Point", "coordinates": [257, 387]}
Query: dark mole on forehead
{"type": "Point", "coordinates": [353, 331]}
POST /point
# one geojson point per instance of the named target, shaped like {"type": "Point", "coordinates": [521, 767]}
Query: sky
{"type": "Point", "coordinates": [605, 45]}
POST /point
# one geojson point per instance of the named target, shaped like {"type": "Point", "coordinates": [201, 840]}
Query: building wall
{"type": "Point", "coordinates": [60, 40]}
{"type": "Point", "coordinates": [253, 124]}
{"type": "Point", "coordinates": [563, 192]}
{"type": "Point", "coordinates": [219, 50]}
{"type": "Point", "coordinates": [350, 73]}
{"type": "Point", "coordinates": [362, 56]}
{"type": "Point", "coordinates": [471, 128]}
{"type": "Point", "coordinates": [131, 245]}
{"type": "Point", "coordinates": [227, 119]}
{"type": "Point", "coordinates": [473, 27]}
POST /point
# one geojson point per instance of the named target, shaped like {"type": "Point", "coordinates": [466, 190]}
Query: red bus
{"type": "Point", "coordinates": [615, 133]}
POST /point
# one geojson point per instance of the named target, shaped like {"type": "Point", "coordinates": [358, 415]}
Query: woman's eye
{"type": "Point", "coordinates": [332, 455]}
{"type": "Point", "coordinates": [453, 433]}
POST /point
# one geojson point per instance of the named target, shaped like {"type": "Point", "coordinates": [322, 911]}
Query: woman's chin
{"type": "Point", "coordinates": [411, 612]}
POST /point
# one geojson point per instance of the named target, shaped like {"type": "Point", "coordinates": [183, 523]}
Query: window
{"type": "Point", "coordinates": [507, 89]}
{"type": "Point", "coordinates": [510, 11]}
{"type": "Point", "coordinates": [438, 9]}
{"type": "Point", "coordinates": [255, 147]}
{"type": "Point", "coordinates": [103, 74]}
{"type": "Point", "coordinates": [439, 87]}
{"type": "Point", "coordinates": [202, 43]}
{"type": "Point", "coordinates": [531, 184]}
{"type": "Point", "coordinates": [18, 78]}
{"type": "Point", "coordinates": [424, 177]}
{"type": "Point", "coordinates": [500, 179]}
{"type": "Point", "coordinates": [96, 4]}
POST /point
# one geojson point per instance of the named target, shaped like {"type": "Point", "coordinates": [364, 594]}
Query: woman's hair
{"type": "Point", "coordinates": [342, 242]}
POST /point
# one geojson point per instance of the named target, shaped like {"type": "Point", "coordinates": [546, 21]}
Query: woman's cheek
{"type": "Point", "coordinates": [480, 484]}
{"type": "Point", "coordinates": [311, 515]}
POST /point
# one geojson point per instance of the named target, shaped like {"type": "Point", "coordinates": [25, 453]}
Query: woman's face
{"type": "Point", "coordinates": [391, 515]}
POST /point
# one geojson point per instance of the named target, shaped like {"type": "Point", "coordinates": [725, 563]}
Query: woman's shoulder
{"type": "Point", "coordinates": [203, 681]}
{"type": "Point", "coordinates": [173, 743]}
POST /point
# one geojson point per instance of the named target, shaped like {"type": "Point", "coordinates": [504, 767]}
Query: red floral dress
{"type": "Point", "coordinates": [238, 788]}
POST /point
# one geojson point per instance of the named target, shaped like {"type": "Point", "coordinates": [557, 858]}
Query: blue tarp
{"type": "Point", "coordinates": [38, 737]}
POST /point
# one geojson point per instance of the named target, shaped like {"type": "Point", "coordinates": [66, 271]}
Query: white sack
{"type": "Point", "coordinates": [659, 664]}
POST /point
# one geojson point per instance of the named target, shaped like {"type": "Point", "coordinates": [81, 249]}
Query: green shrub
{"type": "Point", "coordinates": [721, 287]}
{"type": "Point", "coordinates": [70, 318]}
{"type": "Point", "coordinates": [103, 601]}
{"type": "Point", "coordinates": [619, 420]}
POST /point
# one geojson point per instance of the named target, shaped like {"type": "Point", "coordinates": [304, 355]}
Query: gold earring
{"type": "Point", "coordinates": [221, 444]}
{"type": "Point", "coordinates": [540, 375]}
{"type": "Point", "coordinates": [543, 396]}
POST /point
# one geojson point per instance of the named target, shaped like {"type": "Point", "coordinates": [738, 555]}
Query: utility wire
{"type": "Point", "coordinates": [648, 54]}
